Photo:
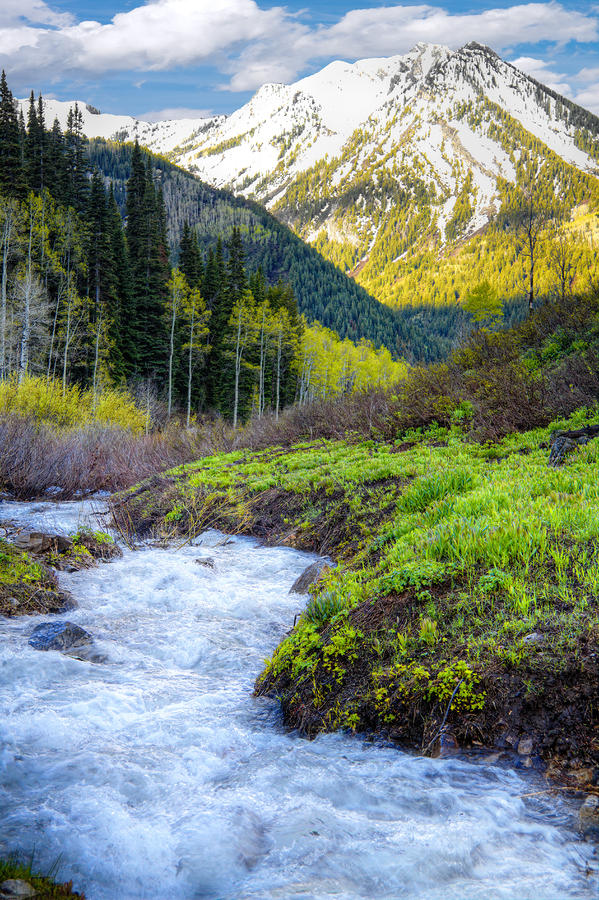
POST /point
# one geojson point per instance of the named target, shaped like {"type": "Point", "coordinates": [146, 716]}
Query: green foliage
{"type": "Point", "coordinates": [324, 293]}
{"type": "Point", "coordinates": [47, 401]}
{"type": "Point", "coordinates": [458, 683]}
{"type": "Point", "coordinates": [472, 551]}
{"type": "Point", "coordinates": [483, 303]}
{"type": "Point", "coordinates": [324, 607]}
{"type": "Point", "coordinates": [46, 887]}
{"type": "Point", "coordinates": [17, 567]}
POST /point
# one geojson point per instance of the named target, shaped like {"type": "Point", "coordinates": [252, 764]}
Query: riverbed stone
{"type": "Point", "coordinates": [309, 577]}
{"type": "Point", "coordinates": [40, 542]}
{"type": "Point", "coordinates": [16, 889]}
{"type": "Point", "coordinates": [525, 746]}
{"type": "Point", "coordinates": [588, 816]}
{"type": "Point", "coordinates": [534, 638]}
{"type": "Point", "coordinates": [63, 636]}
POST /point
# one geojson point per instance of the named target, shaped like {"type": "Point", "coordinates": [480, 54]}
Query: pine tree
{"type": "Point", "coordinates": [148, 254]}
{"type": "Point", "coordinates": [101, 280]}
{"type": "Point", "coordinates": [56, 168]}
{"type": "Point", "coordinates": [236, 275]}
{"type": "Point", "coordinates": [43, 143]}
{"type": "Point", "coordinates": [122, 318]}
{"type": "Point", "coordinates": [190, 259]}
{"type": "Point", "coordinates": [31, 146]}
{"type": "Point", "coordinates": [76, 161]}
{"type": "Point", "coordinates": [11, 173]}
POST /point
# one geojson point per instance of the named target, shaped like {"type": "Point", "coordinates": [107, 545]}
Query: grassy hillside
{"type": "Point", "coordinates": [465, 594]}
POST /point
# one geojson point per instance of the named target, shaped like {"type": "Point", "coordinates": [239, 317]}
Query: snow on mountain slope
{"type": "Point", "coordinates": [375, 159]}
{"type": "Point", "coordinates": [161, 137]}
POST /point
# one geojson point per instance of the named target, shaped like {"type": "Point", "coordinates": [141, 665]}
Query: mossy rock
{"type": "Point", "coordinates": [18, 877]}
{"type": "Point", "coordinates": [28, 587]}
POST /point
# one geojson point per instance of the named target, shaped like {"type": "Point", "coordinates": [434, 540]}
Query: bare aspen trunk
{"type": "Point", "coordinates": [96, 358]}
{"type": "Point", "coordinates": [26, 332]}
{"type": "Point", "coordinates": [67, 340]}
{"type": "Point", "coordinates": [262, 363]}
{"type": "Point", "coordinates": [237, 369]}
{"type": "Point", "coordinates": [171, 354]}
{"type": "Point", "coordinates": [279, 348]}
{"type": "Point", "coordinates": [531, 292]}
{"type": "Point", "coordinates": [6, 241]}
{"type": "Point", "coordinates": [190, 366]}
{"type": "Point", "coordinates": [52, 337]}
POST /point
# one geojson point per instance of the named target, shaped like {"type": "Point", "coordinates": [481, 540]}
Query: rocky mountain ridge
{"type": "Point", "coordinates": [376, 160]}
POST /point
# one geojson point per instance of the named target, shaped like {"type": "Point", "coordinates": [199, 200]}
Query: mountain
{"type": "Point", "coordinates": [324, 293]}
{"type": "Point", "coordinates": [393, 168]}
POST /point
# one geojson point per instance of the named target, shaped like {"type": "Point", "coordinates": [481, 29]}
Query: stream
{"type": "Point", "coordinates": [156, 775]}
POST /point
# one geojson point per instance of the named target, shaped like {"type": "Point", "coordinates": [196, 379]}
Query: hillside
{"type": "Point", "coordinates": [324, 293]}
{"type": "Point", "coordinates": [392, 168]}
{"type": "Point", "coordinates": [464, 580]}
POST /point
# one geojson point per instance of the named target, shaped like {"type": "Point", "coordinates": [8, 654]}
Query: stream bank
{"type": "Point", "coordinates": [156, 775]}
{"type": "Point", "coordinates": [465, 599]}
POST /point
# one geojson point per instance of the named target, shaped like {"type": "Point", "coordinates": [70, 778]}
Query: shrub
{"type": "Point", "coordinates": [323, 608]}
{"type": "Point", "coordinates": [44, 400]}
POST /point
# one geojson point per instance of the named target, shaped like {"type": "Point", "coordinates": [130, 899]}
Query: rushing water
{"type": "Point", "coordinates": [156, 775]}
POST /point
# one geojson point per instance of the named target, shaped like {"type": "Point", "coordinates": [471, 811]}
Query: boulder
{"type": "Point", "coordinates": [564, 442]}
{"type": "Point", "coordinates": [16, 889]}
{"type": "Point", "coordinates": [533, 638]}
{"type": "Point", "coordinates": [588, 816]}
{"type": "Point", "coordinates": [309, 577]}
{"type": "Point", "coordinates": [63, 636]}
{"type": "Point", "coordinates": [40, 542]}
{"type": "Point", "coordinates": [525, 746]}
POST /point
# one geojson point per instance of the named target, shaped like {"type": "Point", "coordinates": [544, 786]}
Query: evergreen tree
{"type": "Point", "coordinates": [122, 318]}
{"type": "Point", "coordinates": [56, 167]}
{"type": "Point", "coordinates": [190, 259]}
{"type": "Point", "coordinates": [148, 254]}
{"type": "Point", "coordinates": [214, 290]}
{"type": "Point", "coordinates": [77, 166]}
{"type": "Point", "coordinates": [11, 173]}
{"type": "Point", "coordinates": [236, 276]}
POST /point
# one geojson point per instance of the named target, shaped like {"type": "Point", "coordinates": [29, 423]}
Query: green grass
{"type": "Point", "coordinates": [45, 886]}
{"type": "Point", "coordinates": [17, 567]}
{"type": "Point", "coordinates": [450, 554]}
{"type": "Point", "coordinates": [27, 587]}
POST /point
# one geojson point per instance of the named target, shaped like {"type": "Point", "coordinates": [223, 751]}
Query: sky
{"type": "Point", "coordinates": [175, 58]}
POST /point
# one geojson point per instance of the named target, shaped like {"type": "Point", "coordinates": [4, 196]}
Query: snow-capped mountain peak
{"type": "Point", "coordinates": [355, 154]}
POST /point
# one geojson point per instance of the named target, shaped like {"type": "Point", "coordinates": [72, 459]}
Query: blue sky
{"type": "Point", "coordinates": [174, 57]}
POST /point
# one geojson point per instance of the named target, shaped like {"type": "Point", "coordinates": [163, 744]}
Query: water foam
{"type": "Point", "coordinates": [156, 775]}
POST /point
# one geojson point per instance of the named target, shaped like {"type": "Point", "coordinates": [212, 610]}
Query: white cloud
{"type": "Point", "coordinates": [588, 74]}
{"type": "Point", "coordinates": [390, 30]}
{"type": "Point", "coordinates": [158, 35]}
{"type": "Point", "coordinates": [14, 12]}
{"type": "Point", "coordinates": [589, 97]}
{"type": "Point", "coordinates": [393, 29]}
{"type": "Point", "coordinates": [539, 69]}
{"type": "Point", "coordinates": [253, 45]}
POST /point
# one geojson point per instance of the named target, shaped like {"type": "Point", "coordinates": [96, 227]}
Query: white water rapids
{"type": "Point", "coordinates": [157, 775]}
